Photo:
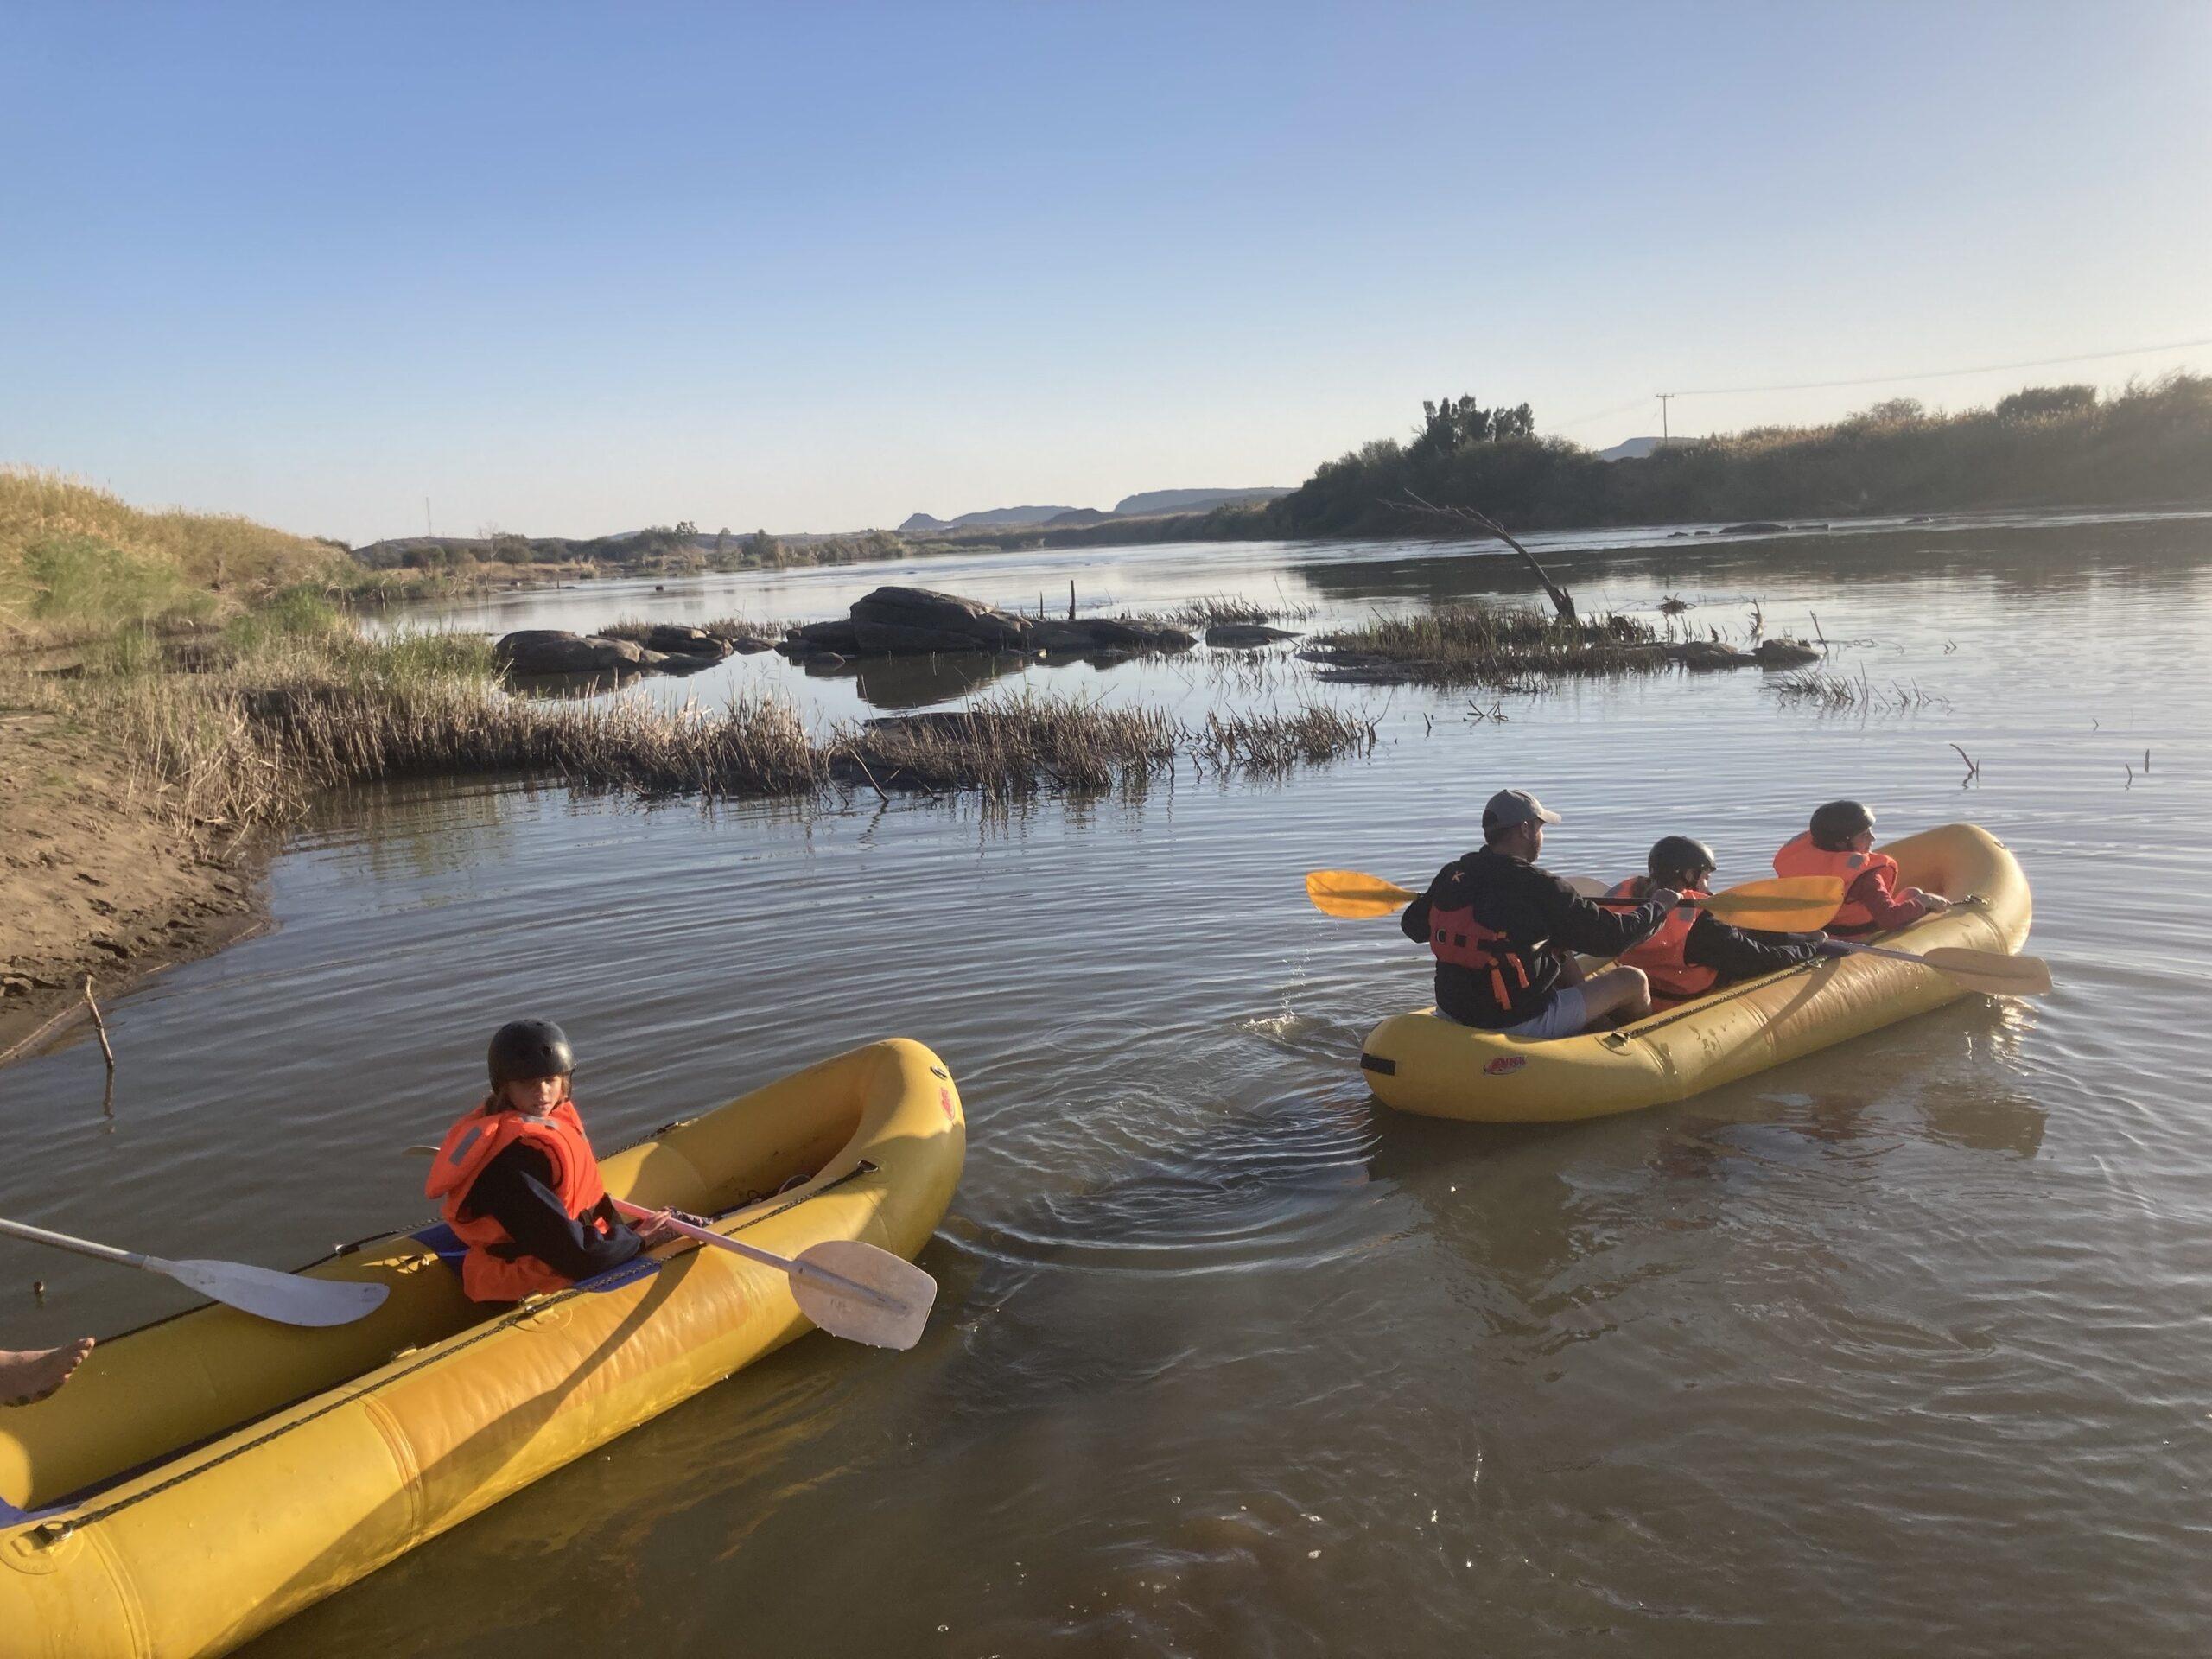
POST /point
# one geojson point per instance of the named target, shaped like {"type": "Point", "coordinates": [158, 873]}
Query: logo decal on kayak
{"type": "Point", "coordinates": [944, 1099]}
{"type": "Point", "coordinates": [1503, 1063]}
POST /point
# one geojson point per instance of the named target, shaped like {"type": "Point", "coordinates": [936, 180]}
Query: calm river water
{"type": "Point", "coordinates": [1901, 1348]}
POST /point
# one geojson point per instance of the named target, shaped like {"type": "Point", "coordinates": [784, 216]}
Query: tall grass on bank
{"type": "Point", "coordinates": [1482, 643]}
{"type": "Point", "coordinates": [77, 562]}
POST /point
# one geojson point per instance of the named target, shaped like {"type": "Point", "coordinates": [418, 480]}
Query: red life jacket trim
{"type": "Point", "coordinates": [1458, 939]}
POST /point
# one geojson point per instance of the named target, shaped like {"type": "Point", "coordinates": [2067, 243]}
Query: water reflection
{"type": "Point", "coordinates": [901, 682]}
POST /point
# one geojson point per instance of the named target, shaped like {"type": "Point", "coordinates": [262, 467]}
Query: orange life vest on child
{"type": "Point", "coordinates": [1674, 977]}
{"type": "Point", "coordinates": [1456, 938]}
{"type": "Point", "coordinates": [1800, 857]}
{"type": "Point", "coordinates": [496, 1269]}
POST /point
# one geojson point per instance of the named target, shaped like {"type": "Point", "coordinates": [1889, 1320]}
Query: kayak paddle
{"type": "Point", "coordinates": [1783, 905]}
{"type": "Point", "coordinates": [1991, 972]}
{"type": "Point", "coordinates": [287, 1298]}
{"type": "Point", "coordinates": [848, 1288]}
{"type": "Point", "coordinates": [1349, 893]}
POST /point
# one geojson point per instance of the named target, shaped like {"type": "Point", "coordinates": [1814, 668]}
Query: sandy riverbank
{"type": "Point", "coordinates": [93, 881]}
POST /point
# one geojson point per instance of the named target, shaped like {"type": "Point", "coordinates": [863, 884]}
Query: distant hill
{"type": "Point", "coordinates": [991, 517]}
{"type": "Point", "coordinates": [1149, 501]}
{"type": "Point", "coordinates": [1630, 449]}
{"type": "Point", "coordinates": [1142, 504]}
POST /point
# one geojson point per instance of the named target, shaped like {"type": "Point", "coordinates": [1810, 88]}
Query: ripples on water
{"type": "Point", "coordinates": [1899, 1346]}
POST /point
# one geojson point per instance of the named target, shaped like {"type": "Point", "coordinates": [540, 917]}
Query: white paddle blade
{"type": "Point", "coordinates": [1590, 887]}
{"type": "Point", "coordinates": [287, 1298]}
{"type": "Point", "coordinates": [862, 1294]}
{"type": "Point", "coordinates": [1991, 972]}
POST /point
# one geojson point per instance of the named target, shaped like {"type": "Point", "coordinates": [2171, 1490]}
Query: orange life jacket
{"type": "Point", "coordinates": [1800, 857]}
{"type": "Point", "coordinates": [1458, 938]}
{"type": "Point", "coordinates": [1674, 977]}
{"type": "Point", "coordinates": [496, 1269]}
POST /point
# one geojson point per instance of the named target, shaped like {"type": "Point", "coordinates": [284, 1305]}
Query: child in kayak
{"type": "Point", "coordinates": [516, 1179]}
{"type": "Point", "coordinates": [1695, 951]}
{"type": "Point", "coordinates": [1840, 842]}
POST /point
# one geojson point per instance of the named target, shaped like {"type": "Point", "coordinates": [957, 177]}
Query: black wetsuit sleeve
{"type": "Point", "coordinates": [1734, 953]}
{"type": "Point", "coordinates": [1573, 922]}
{"type": "Point", "coordinates": [1415, 921]}
{"type": "Point", "coordinates": [513, 1191]}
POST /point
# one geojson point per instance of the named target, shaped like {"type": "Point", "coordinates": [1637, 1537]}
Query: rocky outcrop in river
{"type": "Point", "coordinates": [664, 648]}
{"type": "Point", "coordinates": [918, 621]}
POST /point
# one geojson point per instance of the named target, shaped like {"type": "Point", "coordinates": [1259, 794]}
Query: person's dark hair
{"type": "Point", "coordinates": [1837, 822]}
{"type": "Point", "coordinates": [523, 1049]}
{"type": "Point", "coordinates": [1680, 855]}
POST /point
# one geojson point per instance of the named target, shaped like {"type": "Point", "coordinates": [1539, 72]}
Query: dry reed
{"type": "Point", "coordinates": [1484, 644]}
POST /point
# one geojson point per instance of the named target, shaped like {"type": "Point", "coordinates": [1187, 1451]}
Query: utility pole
{"type": "Point", "coordinates": [1663, 397]}
{"type": "Point", "coordinates": [427, 531]}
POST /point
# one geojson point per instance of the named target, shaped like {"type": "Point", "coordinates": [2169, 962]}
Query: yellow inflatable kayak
{"type": "Point", "coordinates": [1425, 1064]}
{"type": "Point", "coordinates": [206, 1476]}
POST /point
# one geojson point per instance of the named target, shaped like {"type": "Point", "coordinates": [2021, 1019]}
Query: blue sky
{"type": "Point", "coordinates": [574, 269]}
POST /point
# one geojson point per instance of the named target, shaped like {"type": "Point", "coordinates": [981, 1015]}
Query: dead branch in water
{"type": "Point", "coordinates": [99, 1025]}
{"type": "Point", "coordinates": [1468, 519]}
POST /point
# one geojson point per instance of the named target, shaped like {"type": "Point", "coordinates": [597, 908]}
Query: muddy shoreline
{"type": "Point", "coordinates": [94, 881]}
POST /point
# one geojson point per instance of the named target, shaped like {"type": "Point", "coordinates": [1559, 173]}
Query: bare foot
{"type": "Point", "coordinates": [31, 1375]}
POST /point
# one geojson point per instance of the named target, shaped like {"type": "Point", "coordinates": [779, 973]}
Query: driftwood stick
{"type": "Point", "coordinates": [1468, 517]}
{"type": "Point", "coordinates": [866, 773]}
{"type": "Point", "coordinates": [100, 1025]}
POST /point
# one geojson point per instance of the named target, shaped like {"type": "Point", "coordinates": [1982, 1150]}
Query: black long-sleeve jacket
{"type": "Point", "coordinates": [515, 1189]}
{"type": "Point", "coordinates": [1542, 918]}
{"type": "Point", "coordinates": [1734, 953]}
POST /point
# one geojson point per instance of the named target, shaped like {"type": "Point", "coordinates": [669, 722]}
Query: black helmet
{"type": "Point", "coordinates": [523, 1049]}
{"type": "Point", "coordinates": [1837, 822]}
{"type": "Point", "coordinates": [1680, 855]}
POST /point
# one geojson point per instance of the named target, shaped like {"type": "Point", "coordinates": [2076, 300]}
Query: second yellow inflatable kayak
{"type": "Point", "coordinates": [1423, 1063]}
{"type": "Point", "coordinates": [203, 1477]}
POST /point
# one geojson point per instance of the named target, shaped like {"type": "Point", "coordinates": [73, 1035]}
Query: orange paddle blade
{"type": "Point", "coordinates": [1348, 892]}
{"type": "Point", "coordinates": [1782, 904]}
{"type": "Point", "coordinates": [1787, 904]}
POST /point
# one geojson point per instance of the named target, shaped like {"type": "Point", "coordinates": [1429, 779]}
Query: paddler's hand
{"type": "Point", "coordinates": [654, 1229]}
{"type": "Point", "coordinates": [1666, 896]}
{"type": "Point", "coordinates": [1934, 903]}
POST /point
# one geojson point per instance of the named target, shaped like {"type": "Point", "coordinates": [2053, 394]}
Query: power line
{"type": "Point", "coordinates": [1945, 374]}
{"type": "Point", "coordinates": [1877, 380]}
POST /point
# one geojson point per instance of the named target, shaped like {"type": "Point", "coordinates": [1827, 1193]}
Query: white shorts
{"type": "Point", "coordinates": [1568, 1014]}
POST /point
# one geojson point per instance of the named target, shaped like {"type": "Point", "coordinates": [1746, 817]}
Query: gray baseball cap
{"type": "Point", "coordinates": [1511, 806]}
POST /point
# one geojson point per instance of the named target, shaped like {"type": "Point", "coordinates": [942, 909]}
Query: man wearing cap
{"type": "Point", "coordinates": [1505, 935]}
{"type": "Point", "coordinates": [1840, 842]}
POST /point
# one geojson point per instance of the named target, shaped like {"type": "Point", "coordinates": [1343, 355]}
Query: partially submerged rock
{"type": "Point", "coordinates": [893, 621]}
{"type": "Point", "coordinates": [1239, 636]}
{"type": "Point", "coordinates": [918, 621]}
{"type": "Point", "coordinates": [1786, 653]}
{"type": "Point", "coordinates": [678, 640]}
{"type": "Point", "coordinates": [1753, 527]}
{"type": "Point", "coordinates": [556, 650]}
{"type": "Point", "coordinates": [1699, 655]}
